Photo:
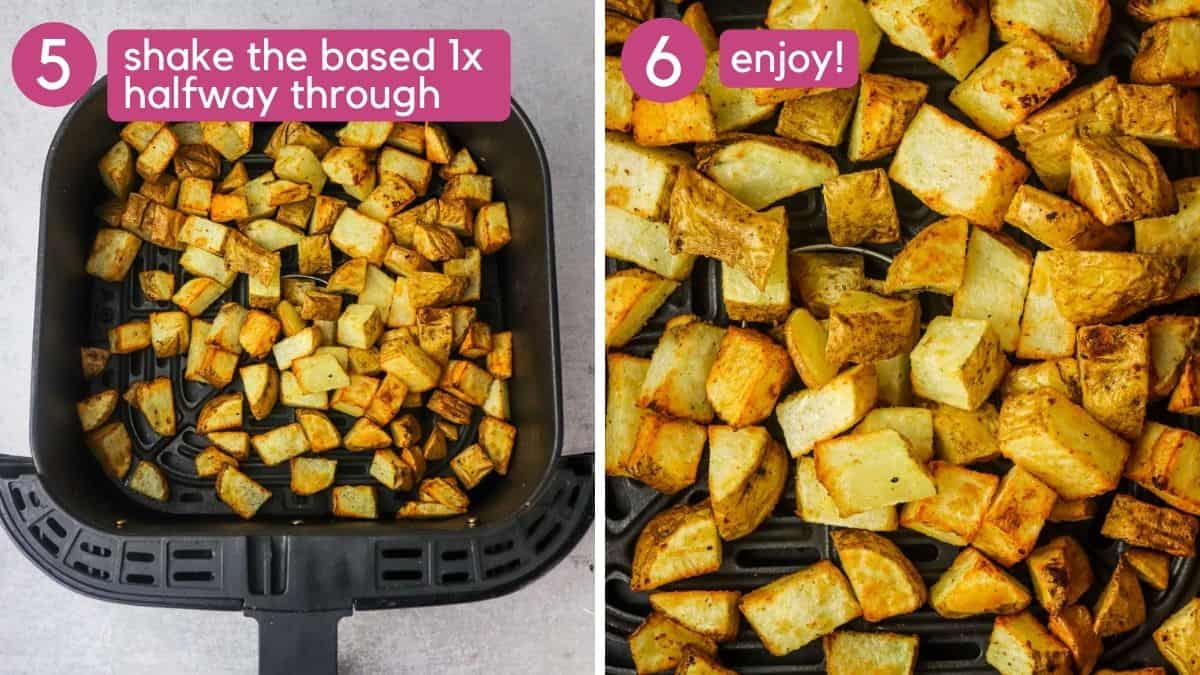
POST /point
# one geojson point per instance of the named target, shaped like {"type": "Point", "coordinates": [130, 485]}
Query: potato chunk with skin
{"type": "Point", "coordinates": [1076, 29]}
{"type": "Point", "coordinates": [280, 444]}
{"type": "Point", "coordinates": [1160, 114]}
{"type": "Point", "coordinates": [934, 260]}
{"type": "Point", "coordinates": [1114, 373]}
{"type": "Point", "coordinates": [1059, 442]}
{"type": "Point", "coordinates": [1108, 286]}
{"type": "Point", "coordinates": [1015, 517]}
{"type": "Point", "coordinates": [1020, 645]}
{"type": "Point", "coordinates": [820, 118]}
{"type": "Point", "coordinates": [639, 179]}
{"type": "Point", "coordinates": [170, 333]}
{"type": "Point", "coordinates": [1060, 573]}
{"type": "Point", "coordinates": [1073, 627]}
{"type": "Point", "coordinates": [117, 169]}
{"type": "Point", "coordinates": [687, 120]}
{"type": "Point", "coordinates": [869, 470]}
{"type": "Point", "coordinates": [1119, 179]}
{"type": "Point", "coordinates": [812, 415]}
{"type": "Point", "coordinates": [1061, 223]}
{"type": "Point", "coordinates": [956, 512]}
{"type": "Point", "coordinates": [958, 362]}
{"type": "Point", "coordinates": [1048, 136]}
{"type": "Point", "coordinates": [713, 614]}
{"type": "Point", "coordinates": [322, 435]}
{"type": "Point", "coordinates": [886, 105]}
{"type": "Point", "coordinates": [737, 162]}
{"type": "Point", "coordinates": [113, 253]}
{"type": "Point", "coordinates": [967, 175]}
{"type": "Point", "coordinates": [805, 339]}
{"type": "Point", "coordinates": [885, 582]}
{"type": "Point", "coordinates": [794, 610]}
{"type": "Point", "coordinates": [814, 505]}
{"type": "Point", "coordinates": [865, 328]}
{"type": "Point", "coordinates": [261, 385]}
{"type": "Point", "coordinates": [994, 284]}
{"type": "Point", "coordinates": [1044, 332]}
{"type": "Point", "coordinates": [1013, 82]}
{"type": "Point", "coordinates": [1152, 567]}
{"type": "Point", "coordinates": [837, 14]}
{"type": "Point", "coordinates": [1166, 462]}
{"type": "Point", "coordinates": [974, 585]}
{"type": "Point", "coordinates": [631, 297]}
{"type": "Point", "coordinates": [1121, 606]}
{"type": "Point", "coordinates": [746, 376]}
{"type": "Point", "coordinates": [859, 208]}
{"type": "Point", "coordinates": [747, 470]}
{"type": "Point", "coordinates": [678, 543]}
{"type": "Point", "coordinates": [854, 653]}
{"type": "Point", "coordinates": [1167, 54]}
{"type": "Point", "coordinates": [818, 280]}
{"type": "Point", "coordinates": [1185, 399]}
{"type": "Point", "coordinates": [644, 243]}
{"type": "Point", "coordinates": [1177, 638]}
{"type": "Point", "coordinates": [1157, 527]}
{"type": "Point", "coordinates": [1171, 339]}
{"type": "Point", "coordinates": [666, 453]}
{"type": "Point", "coordinates": [675, 384]}
{"type": "Point", "coordinates": [660, 644]}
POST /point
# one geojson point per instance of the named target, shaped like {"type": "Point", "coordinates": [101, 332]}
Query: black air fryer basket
{"type": "Point", "coordinates": [293, 567]}
{"type": "Point", "coordinates": [784, 542]}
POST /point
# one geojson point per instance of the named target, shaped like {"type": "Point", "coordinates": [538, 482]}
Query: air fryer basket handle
{"type": "Point", "coordinates": [297, 642]}
{"type": "Point", "coordinates": [12, 466]}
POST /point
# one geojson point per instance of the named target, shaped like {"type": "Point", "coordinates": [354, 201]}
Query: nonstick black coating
{"type": "Point", "coordinates": [75, 310]}
{"type": "Point", "coordinates": [784, 543]}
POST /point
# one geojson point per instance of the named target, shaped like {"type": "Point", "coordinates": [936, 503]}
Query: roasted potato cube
{"type": "Point", "coordinates": [320, 306]}
{"type": "Point", "coordinates": [958, 362]}
{"type": "Point", "coordinates": [812, 415]}
{"type": "Point", "coordinates": [746, 377]}
{"type": "Point", "coordinates": [201, 263]}
{"type": "Point", "coordinates": [956, 170]}
{"type": "Point", "coordinates": [96, 409]}
{"type": "Point", "coordinates": [956, 512]}
{"type": "Point", "coordinates": [1176, 637]}
{"type": "Point", "coordinates": [1077, 31]}
{"type": "Point", "coordinates": [1121, 606]}
{"type": "Point", "coordinates": [814, 505]}
{"type": "Point", "coordinates": [859, 208]}
{"type": "Point", "coordinates": [260, 382]}
{"type": "Point", "coordinates": [201, 160]}
{"type": "Point", "coordinates": [746, 476]}
{"type": "Point", "coordinates": [226, 328]}
{"type": "Point", "coordinates": [1106, 287]}
{"type": "Point", "coordinates": [365, 435]}
{"type": "Point", "coordinates": [466, 381]}
{"type": "Point", "coordinates": [1157, 527]}
{"type": "Point", "coordinates": [139, 133]}
{"type": "Point", "coordinates": [623, 417]}
{"type": "Point", "coordinates": [388, 400]}
{"type": "Point", "coordinates": [1048, 135]}
{"type": "Point", "coordinates": [1020, 645]}
{"type": "Point", "coordinates": [93, 360]}
{"type": "Point", "coordinates": [1015, 517]}
{"type": "Point", "coordinates": [865, 328]}
{"type": "Point", "coordinates": [289, 318]}
{"type": "Point", "coordinates": [113, 252]}
{"type": "Point", "coordinates": [210, 462]}
{"type": "Point", "coordinates": [319, 372]}
{"type": "Point", "coordinates": [853, 653]}
{"type": "Point", "coordinates": [241, 493]}
{"type": "Point", "coordinates": [112, 447]}
{"type": "Point", "coordinates": [297, 346]}
{"type": "Point", "coordinates": [661, 643]}
{"type": "Point", "coordinates": [498, 438]}
{"type": "Point", "coordinates": [393, 472]}
{"type": "Point", "coordinates": [675, 384]}
{"type": "Point", "coordinates": [497, 402]}
{"type": "Point", "coordinates": [296, 215]}
{"type": "Point", "coordinates": [843, 14]}
{"type": "Point", "coordinates": [805, 339]}
{"type": "Point", "coordinates": [820, 118]}
{"type": "Point", "coordinates": [449, 407]}
{"type": "Point", "coordinates": [934, 260]}
{"type": "Point", "coordinates": [280, 444]}
{"type": "Point", "coordinates": [1059, 442]}
{"type": "Point", "coordinates": [460, 164]}
{"type": "Point", "coordinates": [1185, 399]}
{"type": "Point", "coordinates": [794, 610]}
{"type": "Point", "coordinates": [164, 189]}
{"type": "Point", "coordinates": [994, 284]}
{"type": "Point", "coordinates": [292, 394]}
{"type": "Point", "coordinates": [1060, 573]}
{"type": "Point", "coordinates": [204, 234]}
{"type": "Point", "coordinates": [129, 337]}
{"type": "Point", "coordinates": [156, 401]}
{"type": "Point", "coordinates": [733, 108]}
{"type": "Point", "coordinates": [322, 435]}
{"type": "Point", "coordinates": [1044, 332]}
{"type": "Point", "coordinates": [1160, 114]}
{"type": "Point", "coordinates": [471, 466]}
{"type": "Point", "coordinates": [1061, 375]}
{"type": "Point", "coordinates": [1073, 627]}
{"type": "Point", "coordinates": [116, 169]}
{"type": "Point", "coordinates": [196, 349]}
{"type": "Point", "coordinates": [220, 413]}
{"type": "Point", "coordinates": [354, 501]}
{"type": "Point", "coordinates": [639, 180]}
{"type": "Point", "coordinates": [148, 480]}
{"type": "Point", "coordinates": [224, 207]}
{"type": "Point", "coordinates": [885, 582]}
{"type": "Point", "coordinates": [735, 164]}
{"type": "Point", "coordinates": [231, 139]}
{"type": "Point", "coordinates": [678, 543]}
{"type": "Point", "coordinates": [1013, 82]}
{"type": "Point", "coordinates": [974, 585]}
{"type": "Point", "coordinates": [413, 170]}
{"type": "Point", "coordinates": [951, 34]}
{"type": "Point", "coordinates": [1167, 55]}
{"type": "Point", "coordinates": [492, 231]}
{"type": "Point", "coordinates": [868, 470]}
{"type": "Point", "coordinates": [110, 211]}
{"type": "Point", "coordinates": [820, 279]}
{"type": "Point", "coordinates": [644, 243]}
{"type": "Point", "coordinates": [310, 475]}
{"type": "Point", "coordinates": [1114, 374]}
{"type": "Point", "coordinates": [687, 120]}
{"type": "Point", "coordinates": [437, 144]}
{"type": "Point", "coordinates": [271, 235]}
{"type": "Point", "coordinates": [1060, 223]}
{"type": "Point", "coordinates": [296, 133]}
{"type": "Point", "coordinates": [359, 236]}
{"type": "Point", "coordinates": [965, 436]}
{"type": "Point", "coordinates": [156, 156]}
{"type": "Point", "coordinates": [235, 443]}
{"type": "Point", "coordinates": [1171, 340]}
{"type": "Point", "coordinates": [403, 357]}
{"type": "Point", "coordinates": [258, 333]}
{"type": "Point", "coordinates": [914, 424]}
{"type": "Point", "coordinates": [170, 333]}
{"type": "Point", "coordinates": [1119, 179]}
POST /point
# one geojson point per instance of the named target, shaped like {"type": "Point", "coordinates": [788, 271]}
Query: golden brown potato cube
{"type": "Point", "coordinates": [1185, 399]}
{"type": "Point", "coordinates": [310, 475]}
{"type": "Point", "coordinates": [865, 471]}
{"type": "Point", "coordinates": [351, 168]}
{"type": "Point", "coordinates": [687, 120]}
{"type": "Point", "coordinates": [1015, 517]}
{"type": "Point", "coordinates": [471, 466]}
{"type": "Point", "coordinates": [365, 435]}
{"type": "Point", "coordinates": [258, 333]}
{"type": "Point", "coordinates": [297, 164]}
{"type": "Point", "coordinates": [1167, 54]}
{"type": "Point", "coordinates": [157, 285]}
{"type": "Point", "coordinates": [956, 512]}
{"type": "Point", "coordinates": [811, 415]}
{"type": "Point", "coordinates": [914, 424]}
{"type": "Point", "coordinates": [492, 231]}
{"type": "Point", "coordinates": [319, 372]}
{"type": "Point", "coordinates": [231, 139]}
{"type": "Point", "coordinates": [393, 472]}
{"type": "Point", "coordinates": [995, 284]}
{"type": "Point", "coordinates": [362, 361]}
{"type": "Point", "coordinates": [164, 189]}
{"type": "Point", "coordinates": [200, 160]}
{"type": "Point", "coordinates": [1157, 527]}
{"type": "Point", "coordinates": [148, 480]}
{"type": "Point", "coordinates": [354, 398]}
{"type": "Point", "coordinates": [408, 136]}
{"type": "Point", "coordinates": [413, 170]}
{"type": "Point", "coordinates": [859, 208]}
{"type": "Point", "coordinates": [1073, 627]}
{"type": "Point", "coordinates": [112, 447]}
{"type": "Point", "coordinates": [315, 255]}
{"type": "Point", "coordinates": [156, 401]}
{"type": "Point", "coordinates": [325, 212]}
{"type": "Point", "coordinates": [500, 359]}
{"type": "Point", "coordinates": [1109, 286]}
{"type": "Point", "coordinates": [886, 583]}
{"type": "Point", "coordinates": [437, 244]}
{"type": "Point", "coordinates": [1013, 82]}
{"type": "Point", "coordinates": [678, 543]}
{"type": "Point", "coordinates": [934, 260]}
{"type": "Point", "coordinates": [359, 326]}
{"type": "Point", "coordinates": [217, 366]}
{"type": "Point", "coordinates": [296, 346]}
{"type": "Point", "coordinates": [1160, 114]}
{"type": "Point", "coordinates": [280, 444]}
{"type": "Point", "coordinates": [853, 653]}
{"type": "Point", "coordinates": [1176, 638]}
{"type": "Point", "coordinates": [354, 501]}
{"type": "Point", "coordinates": [844, 14]}
{"type": "Point", "coordinates": [631, 297]}
{"type": "Point", "coordinates": [784, 615]}
{"type": "Point", "coordinates": [661, 644]}
{"type": "Point", "coordinates": [226, 328]}
{"type": "Point", "coordinates": [498, 438]}
{"type": "Point", "coordinates": [223, 208]}
{"type": "Point", "coordinates": [260, 382]}
{"type": "Point", "coordinates": [623, 417]}
{"type": "Point", "coordinates": [296, 215]}
{"type": "Point", "coordinates": [746, 377]}
{"type": "Point", "coordinates": [170, 333]}
{"type": "Point", "coordinates": [820, 118]}
{"type": "Point", "coordinates": [734, 162]}
{"type": "Point", "coordinates": [474, 190]}
{"type": "Point", "coordinates": [1060, 223]}
{"type": "Point", "coordinates": [886, 104]}
{"type": "Point", "coordinates": [117, 169]}
{"type": "Point", "coordinates": [1152, 567]}
{"type": "Point", "coordinates": [296, 133]}
{"type": "Point", "coordinates": [713, 614]}
{"type": "Point", "coordinates": [1114, 374]}
{"type": "Point", "coordinates": [1119, 179]}
{"type": "Point", "coordinates": [129, 337]}
{"type": "Point", "coordinates": [139, 133]}
{"type": "Point", "coordinates": [110, 211]}
{"type": "Point", "coordinates": [220, 413]}
{"type": "Point", "coordinates": [974, 585]}
{"type": "Point", "coordinates": [956, 170]}
{"type": "Point", "coordinates": [466, 381]}
{"type": "Point", "coordinates": [322, 435]}
{"type": "Point", "coordinates": [433, 449]}
{"type": "Point", "coordinates": [945, 32]}
{"type": "Point", "coordinates": [865, 328]}
{"type": "Point", "coordinates": [210, 462]}
{"type": "Point", "coordinates": [1059, 442]}
{"type": "Point", "coordinates": [451, 214]}
{"type": "Point", "coordinates": [241, 493]}
{"type": "Point", "coordinates": [289, 318]}
{"type": "Point", "coordinates": [676, 382]}
{"type": "Point", "coordinates": [665, 455]}
{"type": "Point", "coordinates": [958, 362]}
{"type": "Point", "coordinates": [1121, 606]}
{"type": "Point", "coordinates": [96, 409]}
{"type": "Point", "coordinates": [359, 236]}
{"type": "Point", "coordinates": [388, 399]}
{"type": "Point", "coordinates": [426, 511]}
{"type": "Point", "coordinates": [1077, 30]}
{"type": "Point", "coordinates": [437, 144]}
{"type": "Point", "coordinates": [320, 306]}
{"type": "Point", "coordinates": [618, 97]}
{"type": "Point", "coordinates": [1060, 573]}
{"type": "Point", "coordinates": [387, 199]}
{"type": "Point", "coordinates": [113, 252]}
{"type": "Point", "coordinates": [93, 361]}
{"type": "Point", "coordinates": [1020, 645]}
{"type": "Point", "coordinates": [477, 341]}
{"type": "Point", "coordinates": [157, 155]}
{"type": "Point", "coordinates": [196, 349]}
{"type": "Point", "coordinates": [403, 357]}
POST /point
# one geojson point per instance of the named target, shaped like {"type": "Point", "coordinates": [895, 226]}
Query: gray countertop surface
{"type": "Point", "coordinates": [543, 628]}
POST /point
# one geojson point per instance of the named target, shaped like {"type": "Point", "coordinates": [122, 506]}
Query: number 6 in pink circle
{"type": "Point", "coordinates": [663, 60]}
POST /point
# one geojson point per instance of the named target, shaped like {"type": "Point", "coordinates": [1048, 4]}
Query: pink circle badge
{"type": "Point", "coordinates": [53, 64]}
{"type": "Point", "coordinates": [663, 60]}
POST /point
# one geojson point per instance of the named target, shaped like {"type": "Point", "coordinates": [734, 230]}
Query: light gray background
{"type": "Point", "coordinates": [544, 628]}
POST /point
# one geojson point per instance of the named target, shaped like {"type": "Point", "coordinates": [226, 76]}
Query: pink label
{"type": "Point", "coordinates": [789, 58]}
{"type": "Point", "coordinates": [310, 75]}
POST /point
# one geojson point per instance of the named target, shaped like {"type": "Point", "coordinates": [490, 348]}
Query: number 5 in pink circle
{"type": "Point", "coordinates": [663, 60]}
{"type": "Point", "coordinates": [53, 64]}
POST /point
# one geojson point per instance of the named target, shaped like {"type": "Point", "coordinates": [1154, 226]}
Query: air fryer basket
{"type": "Point", "coordinates": [784, 543]}
{"type": "Point", "coordinates": [293, 567]}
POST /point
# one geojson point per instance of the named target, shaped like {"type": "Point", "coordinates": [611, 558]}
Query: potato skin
{"type": "Point", "coordinates": [1114, 372]}
{"type": "Point", "coordinates": [747, 376]}
{"type": "Point", "coordinates": [1167, 53]}
{"type": "Point", "coordinates": [886, 583]}
{"type": "Point", "coordinates": [1011, 83]}
{"type": "Point", "coordinates": [657, 560]}
{"type": "Point", "coordinates": [1107, 287]}
{"type": "Point", "coordinates": [1119, 179]}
